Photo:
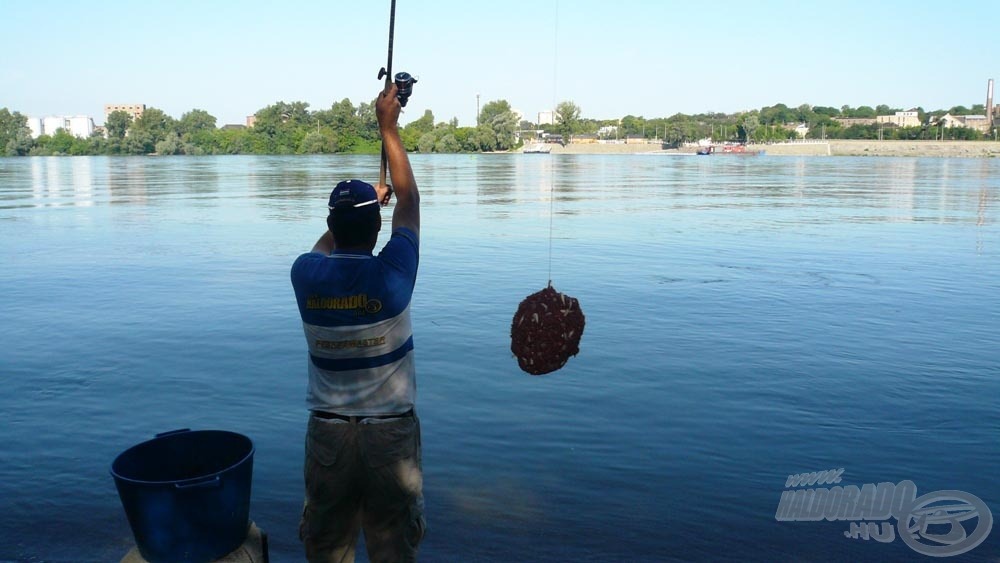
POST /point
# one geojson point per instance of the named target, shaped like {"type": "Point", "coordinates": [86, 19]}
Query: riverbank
{"type": "Point", "coordinates": [954, 149]}
{"type": "Point", "coordinates": [841, 147]}
{"type": "Point", "coordinates": [836, 147]}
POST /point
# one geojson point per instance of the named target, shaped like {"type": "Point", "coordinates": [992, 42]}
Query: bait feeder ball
{"type": "Point", "coordinates": [546, 331]}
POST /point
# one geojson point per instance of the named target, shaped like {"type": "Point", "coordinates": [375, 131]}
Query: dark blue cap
{"type": "Point", "coordinates": [353, 194]}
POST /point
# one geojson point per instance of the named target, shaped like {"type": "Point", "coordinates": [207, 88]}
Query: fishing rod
{"type": "Point", "coordinates": [404, 84]}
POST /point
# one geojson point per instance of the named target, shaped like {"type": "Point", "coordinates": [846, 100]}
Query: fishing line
{"type": "Point", "coordinates": [546, 329]}
{"type": "Point", "coordinates": [555, 82]}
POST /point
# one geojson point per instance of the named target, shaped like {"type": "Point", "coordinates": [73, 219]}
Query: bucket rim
{"type": "Point", "coordinates": [172, 482]}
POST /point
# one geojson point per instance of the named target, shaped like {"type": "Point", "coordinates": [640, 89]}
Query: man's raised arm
{"type": "Point", "coordinates": [404, 185]}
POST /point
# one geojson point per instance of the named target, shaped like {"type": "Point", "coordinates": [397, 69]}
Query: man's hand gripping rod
{"type": "Point", "coordinates": [404, 85]}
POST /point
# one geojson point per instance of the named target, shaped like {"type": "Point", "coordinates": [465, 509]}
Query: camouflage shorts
{"type": "Point", "coordinates": [363, 475]}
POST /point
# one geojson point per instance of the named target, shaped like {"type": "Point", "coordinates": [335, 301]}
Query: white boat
{"type": "Point", "coordinates": [537, 148]}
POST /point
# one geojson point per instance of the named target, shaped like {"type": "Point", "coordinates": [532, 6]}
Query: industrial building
{"type": "Point", "coordinates": [991, 112]}
{"type": "Point", "coordinates": [900, 119]}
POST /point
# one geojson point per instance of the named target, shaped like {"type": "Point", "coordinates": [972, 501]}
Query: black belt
{"type": "Point", "coordinates": [354, 419]}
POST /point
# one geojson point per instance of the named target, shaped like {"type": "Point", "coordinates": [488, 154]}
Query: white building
{"type": "Point", "coordinates": [977, 122]}
{"type": "Point", "coordinates": [546, 118]}
{"type": "Point", "coordinates": [35, 124]}
{"type": "Point", "coordinates": [607, 131]}
{"type": "Point", "coordinates": [901, 119]}
{"type": "Point", "coordinates": [80, 126]}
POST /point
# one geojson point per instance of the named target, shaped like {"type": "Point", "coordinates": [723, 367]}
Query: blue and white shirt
{"type": "Point", "coordinates": [356, 315]}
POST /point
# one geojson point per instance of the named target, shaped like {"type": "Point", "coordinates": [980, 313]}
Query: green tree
{"type": "Point", "coordinates": [778, 114]}
{"type": "Point", "coordinates": [340, 117]}
{"type": "Point", "coordinates": [117, 124]}
{"type": "Point", "coordinates": [447, 143]}
{"type": "Point", "coordinates": [632, 125]}
{"type": "Point", "coordinates": [234, 141]}
{"type": "Point", "coordinates": [422, 125]}
{"type": "Point", "coordinates": [195, 121]}
{"type": "Point", "coordinates": [493, 109]}
{"type": "Point", "coordinates": [748, 127]}
{"type": "Point", "coordinates": [280, 127]}
{"type": "Point", "coordinates": [464, 136]}
{"type": "Point", "coordinates": [567, 118]}
{"type": "Point", "coordinates": [883, 109]}
{"type": "Point", "coordinates": [356, 127]}
{"type": "Point", "coordinates": [805, 114]}
{"type": "Point", "coordinates": [501, 120]}
{"type": "Point", "coordinates": [139, 142]}
{"type": "Point", "coordinates": [319, 142]}
{"type": "Point", "coordinates": [149, 129]}
{"type": "Point", "coordinates": [170, 144]}
{"type": "Point", "coordinates": [369, 122]}
{"type": "Point", "coordinates": [97, 144]}
{"type": "Point", "coordinates": [962, 134]}
{"type": "Point", "coordinates": [866, 112]}
{"type": "Point", "coordinates": [483, 138]}
{"type": "Point", "coordinates": [15, 136]}
{"type": "Point", "coordinates": [426, 142]}
{"type": "Point", "coordinates": [196, 134]}
{"type": "Point", "coordinates": [60, 142]}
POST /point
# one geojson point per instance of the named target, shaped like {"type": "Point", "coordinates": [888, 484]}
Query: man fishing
{"type": "Point", "coordinates": [362, 462]}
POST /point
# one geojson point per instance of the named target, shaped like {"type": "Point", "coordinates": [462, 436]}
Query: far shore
{"type": "Point", "coordinates": [833, 147]}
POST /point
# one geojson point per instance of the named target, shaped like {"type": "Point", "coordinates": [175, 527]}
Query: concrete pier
{"type": "Point", "coordinates": [253, 550]}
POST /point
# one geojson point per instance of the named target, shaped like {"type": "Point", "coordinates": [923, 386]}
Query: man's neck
{"type": "Point", "coordinates": [354, 250]}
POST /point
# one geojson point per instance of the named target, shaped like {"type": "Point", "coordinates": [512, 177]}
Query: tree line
{"type": "Point", "coordinates": [292, 128]}
{"type": "Point", "coordinates": [777, 123]}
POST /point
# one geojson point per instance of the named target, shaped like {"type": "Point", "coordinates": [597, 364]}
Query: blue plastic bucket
{"type": "Point", "coordinates": [187, 494]}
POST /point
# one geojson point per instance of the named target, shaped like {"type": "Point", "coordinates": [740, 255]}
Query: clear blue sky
{"type": "Point", "coordinates": [612, 58]}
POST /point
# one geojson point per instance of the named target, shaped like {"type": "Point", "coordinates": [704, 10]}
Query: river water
{"type": "Point", "coordinates": [748, 318]}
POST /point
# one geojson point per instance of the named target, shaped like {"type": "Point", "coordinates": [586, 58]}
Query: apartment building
{"type": "Point", "coordinates": [80, 126]}
{"type": "Point", "coordinates": [135, 110]}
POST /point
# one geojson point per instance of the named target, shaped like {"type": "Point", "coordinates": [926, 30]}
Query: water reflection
{"type": "Point", "coordinates": [201, 176]}
{"type": "Point", "coordinates": [39, 186]}
{"type": "Point", "coordinates": [899, 179]}
{"type": "Point", "coordinates": [126, 180]}
{"type": "Point", "coordinates": [292, 187]}
{"type": "Point", "coordinates": [55, 181]}
{"type": "Point", "coordinates": [82, 182]}
{"type": "Point", "coordinates": [818, 190]}
{"type": "Point", "coordinates": [499, 183]}
{"type": "Point", "coordinates": [866, 190]}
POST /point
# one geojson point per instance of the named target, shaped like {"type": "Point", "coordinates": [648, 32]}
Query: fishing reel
{"type": "Point", "coordinates": [404, 85]}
